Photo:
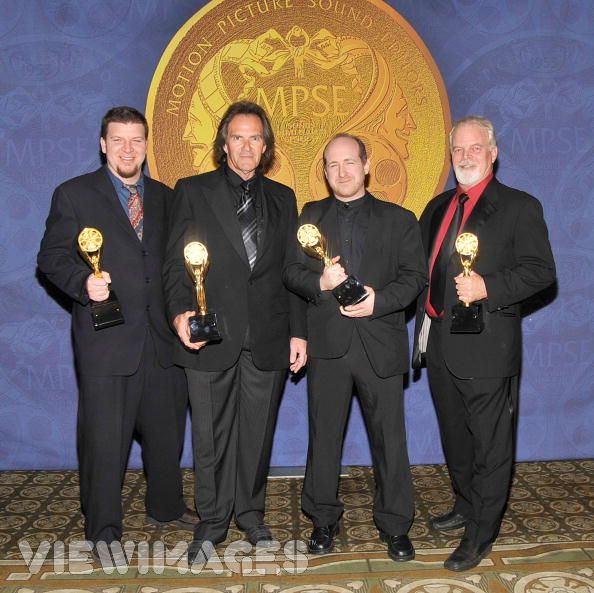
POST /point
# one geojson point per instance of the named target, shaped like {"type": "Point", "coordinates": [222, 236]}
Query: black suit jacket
{"type": "Point", "coordinates": [515, 260]}
{"type": "Point", "coordinates": [135, 268]}
{"type": "Point", "coordinates": [203, 211]}
{"type": "Point", "coordinates": [392, 264]}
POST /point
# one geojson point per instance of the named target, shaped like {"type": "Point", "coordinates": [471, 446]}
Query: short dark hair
{"type": "Point", "coordinates": [123, 115]}
{"type": "Point", "coordinates": [245, 108]}
{"type": "Point", "coordinates": [360, 144]}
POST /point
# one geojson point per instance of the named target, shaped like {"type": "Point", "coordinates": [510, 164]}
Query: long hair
{"type": "Point", "coordinates": [245, 108]}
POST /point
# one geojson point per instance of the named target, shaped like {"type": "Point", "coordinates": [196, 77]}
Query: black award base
{"type": "Point", "coordinates": [106, 313]}
{"type": "Point", "coordinates": [467, 320]}
{"type": "Point", "coordinates": [350, 292]}
{"type": "Point", "coordinates": [203, 328]}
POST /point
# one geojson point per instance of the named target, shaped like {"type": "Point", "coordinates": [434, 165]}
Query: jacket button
{"type": "Point", "coordinates": [144, 252]}
{"type": "Point", "coordinates": [147, 280]}
{"type": "Point", "coordinates": [148, 307]}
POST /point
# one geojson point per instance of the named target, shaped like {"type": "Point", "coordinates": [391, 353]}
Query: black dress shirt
{"type": "Point", "coordinates": [353, 220]}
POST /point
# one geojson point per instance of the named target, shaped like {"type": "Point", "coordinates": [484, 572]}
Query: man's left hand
{"type": "Point", "coordinates": [298, 354]}
{"type": "Point", "coordinates": [470, 288]}
{"type": "Point", "coordinates": [362, 309]}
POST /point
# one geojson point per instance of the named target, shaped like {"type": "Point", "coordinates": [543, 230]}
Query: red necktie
{"type": "Point", "coordinates": [135, 209]}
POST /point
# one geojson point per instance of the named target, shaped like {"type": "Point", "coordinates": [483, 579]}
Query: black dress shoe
{"type": "Point", "coordinates": [110, 555]}
{"type": "Point", "coordinates": [321, 540]}
{"type": "Point", "coordinates": [400, 548]}
{"type": "Point", "coordinates": [259, 535]}
{"type": "Point", "coordinates": [467, 555]}
{"type": "Point", "coordinates": [199, 551]}
{"type": "Point", "coordinates": [188, 520]}
{"type": "Point", "coordinates": [451, 520]}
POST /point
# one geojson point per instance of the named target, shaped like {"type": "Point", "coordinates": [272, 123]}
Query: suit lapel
{"type": "Point", "coordinates": [375, 222]}
{"type": "Point", "coordinates": [269, 218]}
{"type": "Point", "coordinates": [150, 209]}
{"type": "Point", "coordinates": [485, 207]}
{"type": "Point", "coordinates": [328, 226]}
{"type": "Point", "coordinates": [217, 196]}
{"type": "Point", "coordinates": [435, 223]}
{"type": "Point", "coordinates": [105, 187]}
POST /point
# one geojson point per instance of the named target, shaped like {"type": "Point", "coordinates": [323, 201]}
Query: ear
{"type": "Point", "coordinates": [494, 153]}
{"type": "Point", "coordinates": [103, 145]}
{"type": "Point", "coordinates": [367, 166]}
{"type": "Point", "coordinates": [225, 148]}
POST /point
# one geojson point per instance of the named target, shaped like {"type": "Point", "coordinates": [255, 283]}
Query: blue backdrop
{"type": "Point", "coordinates": [528, 65]}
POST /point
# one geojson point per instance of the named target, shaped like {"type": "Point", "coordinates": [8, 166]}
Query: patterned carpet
{"type": "Point", "coordinates": [546, 543]}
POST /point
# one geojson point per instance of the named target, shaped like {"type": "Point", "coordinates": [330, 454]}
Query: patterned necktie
{"type": "Point", "coordinates": [438, 275]}
{"type": "Point", "coordinates": [135, 209]}
{"type": "Point", "coordinates": [246, 214]}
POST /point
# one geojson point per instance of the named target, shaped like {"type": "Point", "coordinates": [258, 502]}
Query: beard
{"type": "Point", "coordinates": [128, 173]}
{"type": "Point", "coordinates": [468, 173]}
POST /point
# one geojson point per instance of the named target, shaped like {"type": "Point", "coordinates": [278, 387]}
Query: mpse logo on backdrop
{"type": "Point", "coordinates": [318, 67]}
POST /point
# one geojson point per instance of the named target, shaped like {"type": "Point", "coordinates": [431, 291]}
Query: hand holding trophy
{"type": "Point", "coordinates": [349, 292]}
{"type": "Point", "coordinates": [106, 313]}
{"type": "Point", "coordinates": [467, 318]}
{"type": "Point", "coordinates": [203, 327]}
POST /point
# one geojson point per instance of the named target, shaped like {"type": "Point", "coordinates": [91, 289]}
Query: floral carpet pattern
{"type": "Point", "coordinates": [546, 544]}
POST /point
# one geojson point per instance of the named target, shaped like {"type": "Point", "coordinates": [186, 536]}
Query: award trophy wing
{"type": "Point", "coordinates": [105, 313]}
{"type": "Point", "coordinates": [203, 327]}
{"type": "Point", "coordinates": [467, 318]}
{"type": "Point", "coordinates": [349, 292]}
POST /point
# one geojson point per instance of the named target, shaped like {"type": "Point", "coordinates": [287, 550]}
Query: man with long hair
{"type": "Point", "coordinates": [247, 223]}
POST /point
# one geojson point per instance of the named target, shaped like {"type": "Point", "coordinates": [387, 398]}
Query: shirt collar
{"type": "Point", "coordinates": [476, 191]}
{"type": "Point", "coordinates": [119, 184]}
{"type": "Point", "coordinates": [235, 180]}
{"type": "Point", "coordinates": [351, 204]}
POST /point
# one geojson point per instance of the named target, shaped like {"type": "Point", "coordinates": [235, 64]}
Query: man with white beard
{"type": "Point", "coordinates": [473, 370]}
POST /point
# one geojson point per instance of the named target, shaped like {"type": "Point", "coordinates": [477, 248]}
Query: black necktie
{"type": "Point", "coordinates": [246, 214]}
{"type": "Point", "coordinates": [438, 275]}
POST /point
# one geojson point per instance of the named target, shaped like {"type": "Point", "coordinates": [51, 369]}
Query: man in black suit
{"type": "Point", "coordinates": [365, 345]}
{"type": "Point", "coordinates": [247, 223]}
{"type": "Point", "coordinates": [127, 381]}
{"type": "Point", "coordinates": [474, 376]}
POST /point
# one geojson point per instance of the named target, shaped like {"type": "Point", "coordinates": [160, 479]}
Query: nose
{"type": "Point", "coordinates": [128, 146]}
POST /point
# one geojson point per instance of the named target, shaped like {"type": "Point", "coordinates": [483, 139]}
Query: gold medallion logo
{"type": "Point", "coordinates": [318, 67]}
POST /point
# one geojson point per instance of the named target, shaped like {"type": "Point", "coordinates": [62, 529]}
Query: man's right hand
{"type": "Point", "coordinates": [98, 287]}
{"type": "Point", "coordinates": [333, 275]}
{"type": "Point", "coordinates": [182, 327]}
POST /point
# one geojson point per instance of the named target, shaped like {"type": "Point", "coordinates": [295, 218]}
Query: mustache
{"type": "Point", "coordinates": [467, 163]}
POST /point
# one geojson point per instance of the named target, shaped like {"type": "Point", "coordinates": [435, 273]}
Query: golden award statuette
{"type": "Point", "coordinates": [203, 327]}
{"type": "Point", "coordinates": [349, 292]}
{"type": "Point", "coordinates": [105, 313]}
{"type": "Point", "coordinates": [467, 318]}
